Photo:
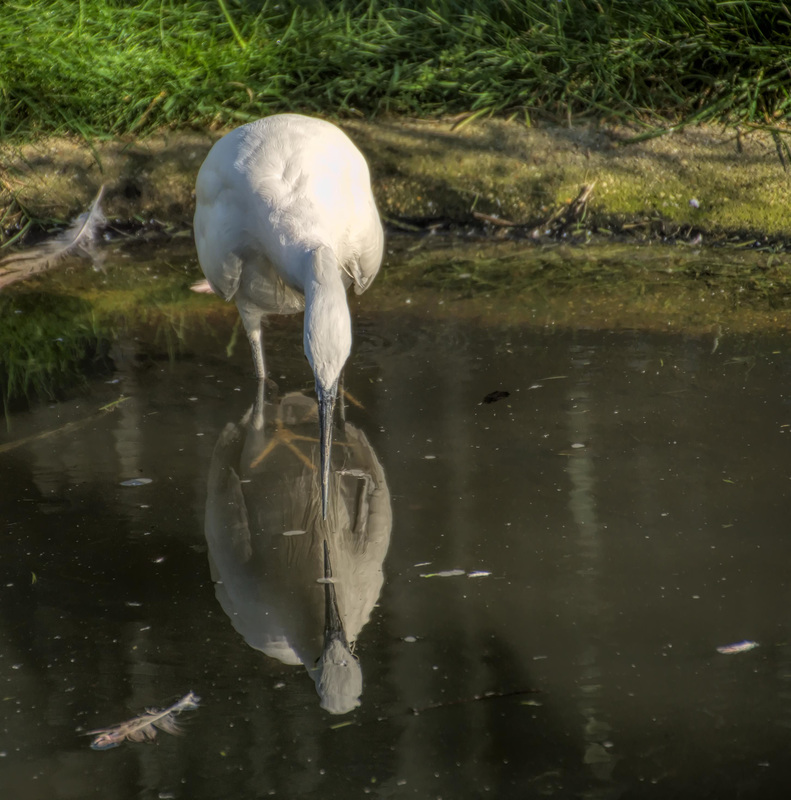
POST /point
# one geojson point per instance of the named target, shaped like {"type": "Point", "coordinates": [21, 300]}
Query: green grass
{"type": "Point", "coordinates": [109, 67]}
{"type": "Point", "coordinates": [47, 341]}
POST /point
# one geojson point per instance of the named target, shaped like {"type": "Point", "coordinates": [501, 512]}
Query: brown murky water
{"type": "Point", "coordinates": [535, 587]}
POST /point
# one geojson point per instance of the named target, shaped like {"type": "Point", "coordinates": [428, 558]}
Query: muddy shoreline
{"type": "Point", "coordinates": [715, 186]}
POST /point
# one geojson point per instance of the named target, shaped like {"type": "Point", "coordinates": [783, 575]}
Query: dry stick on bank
{"type": "Point", "coordinates": [557, 222]}
{"type": "Point", "coordinates": [573, 212]}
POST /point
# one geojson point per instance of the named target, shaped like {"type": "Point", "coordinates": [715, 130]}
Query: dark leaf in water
{"type": "Point", "coordinates": [493, 397]}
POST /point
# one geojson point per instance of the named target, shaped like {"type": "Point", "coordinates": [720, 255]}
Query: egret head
{"type": "Point", "coordinates": [327, 339]}
{"type": "Point", "coordinates": [338, 675]}
{"type": "Point", "coordinates": [340, 678]}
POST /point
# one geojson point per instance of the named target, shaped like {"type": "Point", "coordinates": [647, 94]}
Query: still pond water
{"type": "Point", "coordinates": [539, 539]}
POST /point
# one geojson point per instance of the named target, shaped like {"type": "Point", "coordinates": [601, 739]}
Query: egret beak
{"type": "Point", "coordinates": [326, 409]}
{"type": "Point", "coordinates": [333, 624]}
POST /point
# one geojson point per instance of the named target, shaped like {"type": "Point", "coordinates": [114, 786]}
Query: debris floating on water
{"type": "Point", "coordinates": [143, 728]}
{"type": "Point", "coordinates": [452, 573]}
{"type": "Point", "coordinates": [448, 573]}
{"type": "Point", "coordinates": [737, 647]}
{"type": "Point", "coordinates": [496, 395]}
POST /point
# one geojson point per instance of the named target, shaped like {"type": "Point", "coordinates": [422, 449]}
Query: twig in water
{"type": "Point", "coordinates": [502, 223]}
{"type": "Point", "coordinates": [67, 428]}
{"type": "Point", "coordinates": [474, 699]}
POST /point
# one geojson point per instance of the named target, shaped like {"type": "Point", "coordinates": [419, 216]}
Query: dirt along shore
{"type": "Point", "coordinates": [714, 184]}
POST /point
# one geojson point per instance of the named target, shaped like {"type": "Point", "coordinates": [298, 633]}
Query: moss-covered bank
{"type": "Point", "coordinates": [726, 184]}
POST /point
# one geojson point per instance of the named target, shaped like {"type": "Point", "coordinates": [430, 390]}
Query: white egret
{"type": "Point", "coordinates": [285, 219]}
{"type": "Point", "coordinates": [297, 587]}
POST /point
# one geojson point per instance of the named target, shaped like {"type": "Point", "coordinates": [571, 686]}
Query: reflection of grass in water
{"type": "Point", "coordinates": [153, 296]}
{"type": "Point", "coordinates": [47, 342]}
{"type": "Point", "coordinates": [68, 317]}
{"type": "Point", "coordinates": [751, 278]}
{"type": "Point", "coordinates": [57, 328]}
{"type": "Point", "coordinates": [605, 286]}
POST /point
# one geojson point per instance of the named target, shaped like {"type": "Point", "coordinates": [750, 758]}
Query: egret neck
{"type": "Point", "coordinates": [327, 342]}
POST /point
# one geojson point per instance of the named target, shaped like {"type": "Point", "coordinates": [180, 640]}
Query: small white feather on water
{"type": "Point", "coordinates": [737, 647]}
{"type": "Point", "coordinates": [452, 573]}
{"type": "Point", "coordinates": [448, 573]}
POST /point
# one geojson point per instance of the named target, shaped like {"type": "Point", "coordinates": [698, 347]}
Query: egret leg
{"type": "Point", "coordinates": [255, 442]}
{"type": "Point", "coordinates": [258, 407]}
{"type": "Point", "coordinates": [251, 320]}
{"type": "Point", "coordinates": [256, 339]}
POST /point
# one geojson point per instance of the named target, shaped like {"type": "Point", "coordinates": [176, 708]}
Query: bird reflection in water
{"type": "Point", "coordinates": [298, 587]}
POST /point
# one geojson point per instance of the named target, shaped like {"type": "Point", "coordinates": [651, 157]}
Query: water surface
{"type": "Point", "coordinates": [607, 525]}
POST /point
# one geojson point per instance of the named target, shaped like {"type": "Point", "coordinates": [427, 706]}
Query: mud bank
{"type": "Point", "coordinates": [723, 184]}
